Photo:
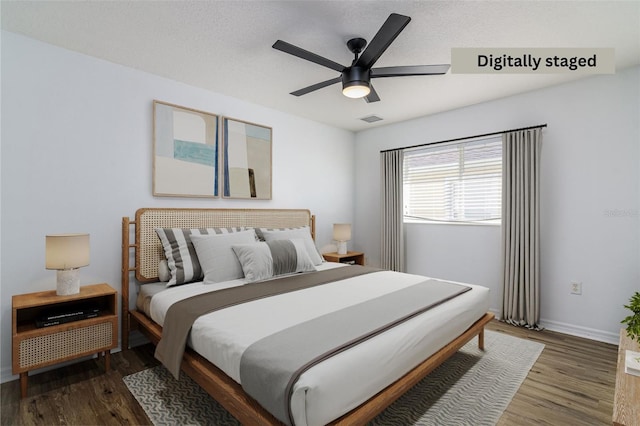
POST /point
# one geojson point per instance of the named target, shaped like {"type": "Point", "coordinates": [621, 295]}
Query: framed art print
{"type": "Point", "coordinates": [185, 152]}
{"type": "Point", "coordinates": [246, 160]}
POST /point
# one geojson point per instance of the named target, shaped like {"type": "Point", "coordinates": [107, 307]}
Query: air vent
{"type": "Point", "coordinates": [371, 119]}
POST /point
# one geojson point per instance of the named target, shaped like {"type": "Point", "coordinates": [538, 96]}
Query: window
{"type": "Point", "coordinates": [457, 182]}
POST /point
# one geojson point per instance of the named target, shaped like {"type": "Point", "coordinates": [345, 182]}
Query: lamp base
{"type": "Point", "coordinates": [68, 282]}
{"type": "Point", "coordinates": [342, 247]}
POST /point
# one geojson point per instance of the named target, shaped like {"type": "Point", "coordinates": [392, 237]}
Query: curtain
{"type": "Point", "coordinates": [521, 227]}
{"type": "Point", "coordinates": [392, 241]}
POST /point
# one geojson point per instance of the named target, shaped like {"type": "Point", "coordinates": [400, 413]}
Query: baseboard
{"type": "Point", "coordinates": [574, 330]}
{"type": "Point", "coordinates": [579, 331]}
{"type": "Point", "coordinates": [6, 375]}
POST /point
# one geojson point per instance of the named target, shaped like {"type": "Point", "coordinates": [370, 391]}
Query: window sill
{"type": "Point", "coordinates": [429, 222]}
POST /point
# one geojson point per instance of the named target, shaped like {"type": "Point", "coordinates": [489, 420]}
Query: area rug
{"type": "Point", "coordinates": [471, 388]}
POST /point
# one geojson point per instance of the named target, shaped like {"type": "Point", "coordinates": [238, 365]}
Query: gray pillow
{"type": "Point", "coordinates": [219, 262]}
{"type": "Point", "coordinates": [180, 254]}
{"type": "Point", "coordinates": [303, 233]}
{"type": "Point", "coordinates": [269, 259]}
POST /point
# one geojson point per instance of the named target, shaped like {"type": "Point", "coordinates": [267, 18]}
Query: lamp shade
{"type": "Point", "coordinates": [67, 251]}
{"type": "Point", "coordinates": [342, 231]}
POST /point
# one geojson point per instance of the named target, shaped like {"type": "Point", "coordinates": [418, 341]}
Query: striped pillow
{"type": "Point", "coordinates": [181, 255]}
{"type": "Point", "coordinates": [269, 259]}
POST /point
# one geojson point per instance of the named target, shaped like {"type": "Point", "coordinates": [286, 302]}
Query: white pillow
{"type": "Point", "coordinates": [303, 233]}
{"type": "Point", "coordinates": [268, 259]}
{"type": "Point", "coordinates": [219, 262]}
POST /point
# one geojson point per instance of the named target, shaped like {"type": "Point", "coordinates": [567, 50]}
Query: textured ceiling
{"type": "Point", "coordinates": [225, 46]}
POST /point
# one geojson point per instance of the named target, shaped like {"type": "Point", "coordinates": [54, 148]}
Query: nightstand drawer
{"type": "Point", "coordinates": [49, 349]}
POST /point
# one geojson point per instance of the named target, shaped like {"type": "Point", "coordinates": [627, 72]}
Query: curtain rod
{"type": "Point", "coordinates": [466, 137]}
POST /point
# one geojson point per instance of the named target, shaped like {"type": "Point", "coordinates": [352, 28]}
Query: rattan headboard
{"type": "Point", "coordinates": [149, 251]}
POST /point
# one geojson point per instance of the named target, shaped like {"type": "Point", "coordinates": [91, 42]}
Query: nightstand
{"type": "Point", "coordinates": [35, 347]}
{"type": "Point", "coordinates": [352, 257]}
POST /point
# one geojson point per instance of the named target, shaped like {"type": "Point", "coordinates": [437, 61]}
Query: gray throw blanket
{"type": "Point", "coordinates": [270, 367]}
{"type": "Point", "coordinates": [181, 315]}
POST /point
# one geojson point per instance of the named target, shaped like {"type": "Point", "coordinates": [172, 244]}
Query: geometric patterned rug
{"type": "Point", "coordinates": [471, 388]}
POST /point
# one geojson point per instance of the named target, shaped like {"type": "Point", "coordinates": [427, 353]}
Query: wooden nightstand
{"type": "Point", "coordinates": [353, 257]}
{"type": "Point", "coordinates": [34, 347]}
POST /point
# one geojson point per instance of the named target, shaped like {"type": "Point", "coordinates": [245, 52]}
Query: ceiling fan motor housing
{"type": "Point", "coordinates": [356, 76]}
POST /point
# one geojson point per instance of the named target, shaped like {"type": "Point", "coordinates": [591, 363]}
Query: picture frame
{"type": "Point", "coordinates": [246, 160]}
{"type": "Point", "coordinates": [185, 151]}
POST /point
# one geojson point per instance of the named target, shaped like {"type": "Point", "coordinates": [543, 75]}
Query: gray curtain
{"type": "Point", "coordinates": [521, 227]}
{"type": "Point", "coordinates": [392, 211]}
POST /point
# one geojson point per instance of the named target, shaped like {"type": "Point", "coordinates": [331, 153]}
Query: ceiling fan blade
{"type": "Point", "coordinates": [410, 70]}
{"type": "Point", "coordinates": [306, 55]}
{"type": "Point", "coordinates": [316, 86]}
{"type": "Point", "coordinates": [372, 96]}
{"type": "Point", "coordinates": [391, 28]}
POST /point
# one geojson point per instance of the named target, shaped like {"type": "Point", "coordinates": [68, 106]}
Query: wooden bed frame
{"type": "Point", "coordinates": [149, 252]}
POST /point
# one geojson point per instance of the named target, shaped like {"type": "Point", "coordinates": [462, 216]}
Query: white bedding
{"type": "Point", "coordinates": [346, 380]}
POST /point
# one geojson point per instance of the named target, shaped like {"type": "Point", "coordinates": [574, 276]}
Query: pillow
{"type": "Point", "coordinates": [180, 253]}
{"type": "Point", "coordinates": [164, 275]}
{"type": "Point", "coordinates": [303, 233]}
{"type": "Point", "coordinates": [219, 262]}
{"type": "Point", "coordinates": [269, 259]}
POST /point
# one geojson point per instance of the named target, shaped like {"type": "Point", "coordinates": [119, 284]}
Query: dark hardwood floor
{"type": "Point", "coordinates": [572, 383]}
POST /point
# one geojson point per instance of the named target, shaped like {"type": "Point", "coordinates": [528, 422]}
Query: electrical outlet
{"type": "Point", "coordinates": [576, 288]}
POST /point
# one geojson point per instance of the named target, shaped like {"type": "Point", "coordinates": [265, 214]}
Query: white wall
{"type": "Point", "coordinates": [77, 154]}
{"type": "Point", "coordinates": [590, 199]}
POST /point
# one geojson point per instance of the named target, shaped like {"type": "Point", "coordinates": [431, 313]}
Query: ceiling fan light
{"type": "Point", "coordinates": [356, 91]}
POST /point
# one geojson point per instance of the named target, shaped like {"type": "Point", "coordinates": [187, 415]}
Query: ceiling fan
{"type": "Point", "coordinates": [356, 78]}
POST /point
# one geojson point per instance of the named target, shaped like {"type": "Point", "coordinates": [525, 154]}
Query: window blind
{"type": "Point", "coordinates": [458, 182]}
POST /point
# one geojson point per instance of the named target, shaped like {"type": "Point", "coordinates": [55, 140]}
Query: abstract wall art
{"type": "Point", "coordinates": [185, 157]}
{"type": "Point", "coordinates": [246, 160]}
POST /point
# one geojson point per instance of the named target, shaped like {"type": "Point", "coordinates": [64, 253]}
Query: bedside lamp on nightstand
{"type": "Point", "coordinates": [342, 234]}
{"type": "Point", "coordinates": [66, 253]}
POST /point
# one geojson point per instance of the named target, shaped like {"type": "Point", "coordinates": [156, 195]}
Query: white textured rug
{"type": "Point", "coordinates": [471, 388]}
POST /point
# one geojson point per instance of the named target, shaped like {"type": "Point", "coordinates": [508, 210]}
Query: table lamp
{"type": "Point", "coordinates": [342, 234]}
{"type": "Point", "coordinates": [66, 253]}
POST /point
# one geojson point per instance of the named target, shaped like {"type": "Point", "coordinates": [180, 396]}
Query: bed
{"type": "Point", "coordinates": [400, 357]}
